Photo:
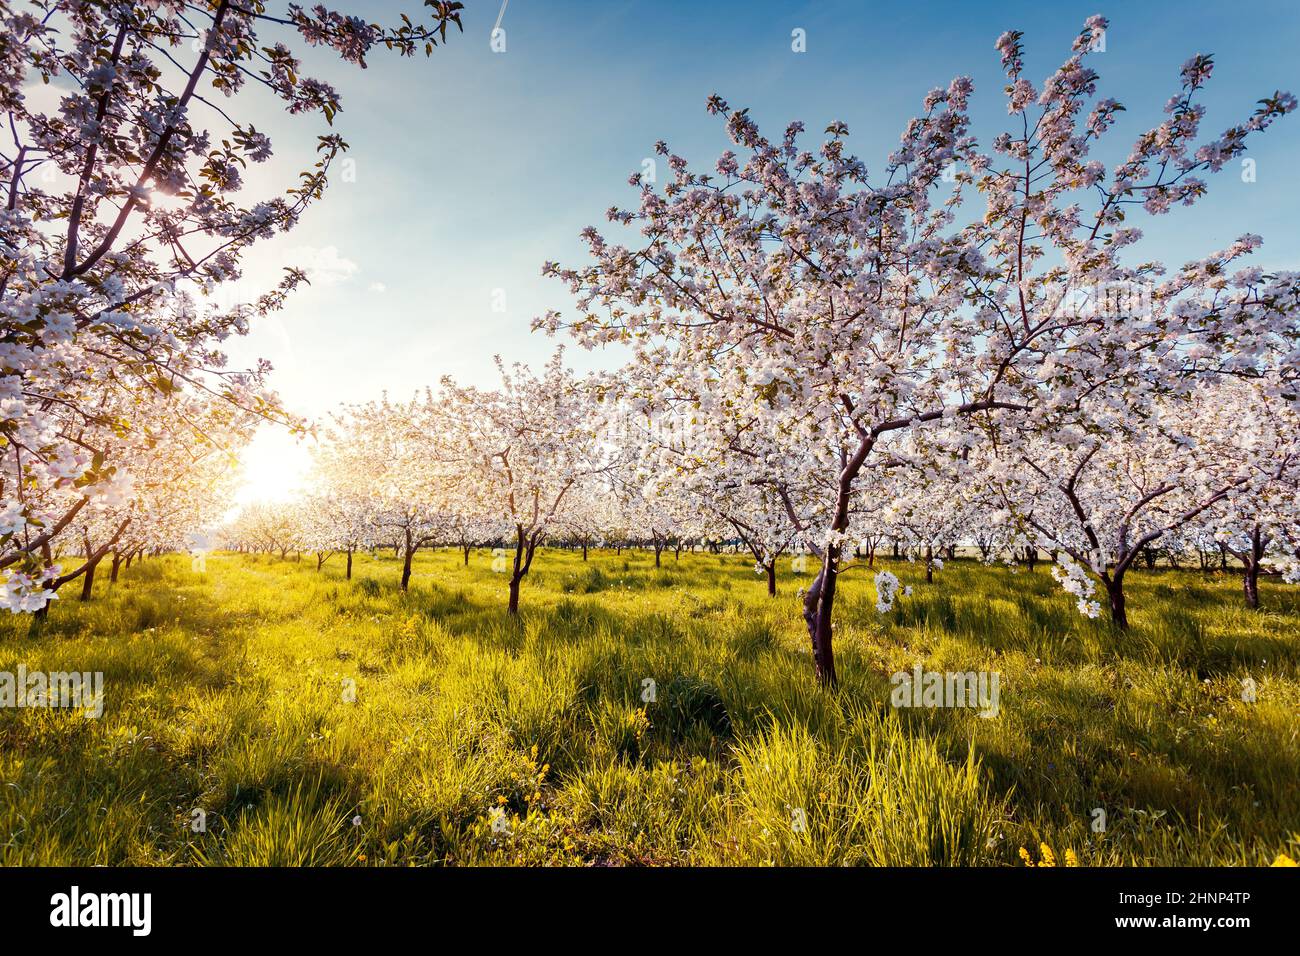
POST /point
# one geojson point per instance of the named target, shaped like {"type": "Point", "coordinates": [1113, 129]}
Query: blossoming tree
{"type": "Point", "coordinates": [519, 453]}
{"type": "Point", "coordinates": [789, 291]}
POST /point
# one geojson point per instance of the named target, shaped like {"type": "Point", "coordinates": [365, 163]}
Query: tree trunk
{"type": "Point", "coordinates": [1115, 592]}
{"type": "Point", "coordinates": [929, 565]}
{"type": "Point", "coordinates": [771, 579]}
{"type": "Point", "coordinates": [88, 581]}
{"type": "Point", "coordinates": [43, 612]}
{"type": "Point", "coordinates": [1252, 561]}
{"type": "Point", "coordinates": [408, 554]}
{"type": "Point", "coordinates": [819, 602]}
{"type": "Point", "coordinates": [525, 547]}
{"type": "Point", "coordinates": [584, 551]}
{"type": "Point", "coordinates": [658, 549]}
{"type": "Point", "coordinates": [818, 606]}
{"type": "Point", "coordinates": [117, 566]}
{"type": "Point", "coordinates": [1250, 583]}
{"type": "Point", "coordinates": [466, 548]}
{"type": "Point", "coordinates": [349, 574]}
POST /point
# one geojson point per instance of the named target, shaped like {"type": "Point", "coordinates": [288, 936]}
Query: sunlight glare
{"type": "Point", "coordinates": [274, 466]}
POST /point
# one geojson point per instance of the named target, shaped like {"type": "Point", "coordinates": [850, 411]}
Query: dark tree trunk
{"type": "Point", "coordinates": [42, 613]}
{"type": "Point", "coordinates": [1115, 592]}
{"type": "Point", "coordinates": [929, 565]}
{"type": "Point", "coordinates": [771, 579]}
{"type": "Point", "coordinates": [584, 551]}
{"type": "Point", "coordinates": [1250, 584]}
{"type": "Point", "coordinates": [466, 549]}
{"type": "Point", "coordinates": [1252, 561]}
{"type": "Point", "coordinates": [88, 581]}
{"type": "Point", "coordinates": [116, 566]}
{"type": "Point", "coordinates": [818, 605]}
{"type": "Point", "coordinates": [525, 547]}
{"type": "Point", "coordinates": [349, 573]}
{"type": "Point", "coordinates": [407, 554]}
{"type": "Point", "coordinates": [819, 602]}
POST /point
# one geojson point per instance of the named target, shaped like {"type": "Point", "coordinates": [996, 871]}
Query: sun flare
{"type": "Point", "coordinates": [273, 466]}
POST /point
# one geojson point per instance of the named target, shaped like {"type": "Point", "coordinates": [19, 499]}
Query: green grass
{"type": "Point", "coordinates": [477, 739]}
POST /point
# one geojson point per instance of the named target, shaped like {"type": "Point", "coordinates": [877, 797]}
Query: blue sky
{"type": "Point", "coordinates": [474, 167]}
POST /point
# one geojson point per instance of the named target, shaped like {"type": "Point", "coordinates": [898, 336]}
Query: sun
{"type": "Point", "coordinates": [273, 466]}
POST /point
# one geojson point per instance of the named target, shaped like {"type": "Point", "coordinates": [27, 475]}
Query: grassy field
{"type": "Point", "coordinates": [477, 739]}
